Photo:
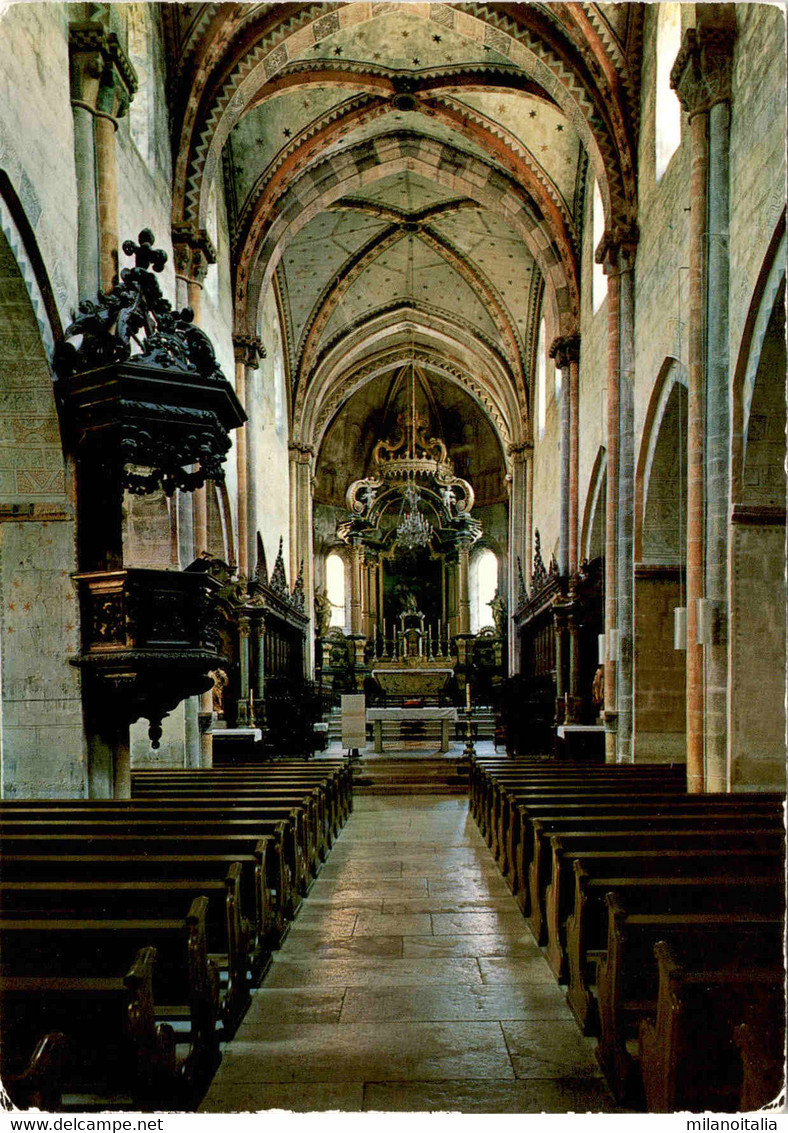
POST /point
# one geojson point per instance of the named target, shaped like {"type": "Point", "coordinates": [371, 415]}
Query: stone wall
{"type": "Point", "coordinates": [659, 674]}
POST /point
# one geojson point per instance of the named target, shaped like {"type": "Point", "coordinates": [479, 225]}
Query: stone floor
{"type": "Point", "coordinates": [409, 981]}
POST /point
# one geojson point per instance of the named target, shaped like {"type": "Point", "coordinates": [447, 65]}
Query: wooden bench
{"type": "Point", "coordinates": [48, 953]}
{"type": "Point", "coordinates": [698, 1054]}
{"type": "Point", "coordinates": [272, 895]}
{"type": "Point", "coordinates": [627, 979]}
{"type": "Point", "coordinates": [228, 931]}
{"type": "Point", "coordinates": [302, 857]}
{"type": "Point", "coordinates": [541, 818]}
{"type": "Point", "coordinates": [37, 1081]}
{"type": "Point", "coordinates": [557, 841]}
{"type": "Point", "coordinates": [711, 879]}
{"type": "Point", "coordinates": [273, 840]}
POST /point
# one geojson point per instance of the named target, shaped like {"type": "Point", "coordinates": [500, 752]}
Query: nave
{"type": "Point", "coordinates": [409, 981]}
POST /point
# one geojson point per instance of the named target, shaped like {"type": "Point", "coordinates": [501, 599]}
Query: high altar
{"type": "Point", "coordinates": [410, 531]}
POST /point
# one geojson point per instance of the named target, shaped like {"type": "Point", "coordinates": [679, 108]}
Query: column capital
{"type": "Point", "coordinates": [103, 80]}
{"type": "Point", "coordinates": [300, 453]}
{"type": "Point", "coordinates": [616, 250]}
{"type": "Point", "coordinates": [193, 252]}
{"type": "Point", "coordinates": [520, 452]}
{"type": "Point", "coordinates": [244, 627]}
{"type": "Point", "coordinates": [701, 74]}
{"type": "Point", "coordinates": [249, 350]}
{"type": "Point", "coordinates": [565, 349]}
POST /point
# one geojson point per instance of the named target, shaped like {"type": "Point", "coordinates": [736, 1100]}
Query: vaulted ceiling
{"type": "Point", "coordinates": [406, 176]}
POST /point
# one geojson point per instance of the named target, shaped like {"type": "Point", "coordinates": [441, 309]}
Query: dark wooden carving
{"type": "Point", "coordinates": [150, 637]}
{"type": "Point", "coordinates": [143, 395]}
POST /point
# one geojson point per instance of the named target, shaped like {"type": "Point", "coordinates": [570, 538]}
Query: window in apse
{"type": "Point", "coordinates": [541, 381]}
{"type": "Point", "coordinates": [483, 584]}
{"type": "Point", "coordinates": [335, 589]}
{"type": "Point", "coordinates": [668, 108]}
{"type": "Point", "coordinates": [598, 279]}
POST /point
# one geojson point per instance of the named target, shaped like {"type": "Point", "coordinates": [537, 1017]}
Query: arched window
{"type": "Point", "coordinates": [212, 228]}
{"type": "Point", "coordinates": [668, 108]}
{"type": "Point", "coordinates": [541, 381]}
{"type": "Point", "coordinates": [599, 279]}
{"type": "Point", "coordinates": [483, 584]}
{"type": "Point", "coordinates": [335, 589]}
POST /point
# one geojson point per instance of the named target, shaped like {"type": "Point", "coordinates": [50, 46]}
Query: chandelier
{"type": "Point", "coordinates": [413, 529]}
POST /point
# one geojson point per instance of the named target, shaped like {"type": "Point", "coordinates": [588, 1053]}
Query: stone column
{"type": "Point", "coordinates": [103, 83]}
{"type": "Point", "coordinates": [566, 350]}
{"type": "Point", "coordinates": [701, 77]}
{"type": "Point", "coordinates": [518, 547]}
{"type": "Point", "coordinates": [301, 543]}
{"type": "Point", "coordinates": [529, 515]}
{"type": "Point", "coordinates": [611, 510]}
{"type": "Point", "coordinates": [625, 574]}
{"type": "Point", "coordinates": [356, 584]}
{"type": "Point", "coordinates": [193, 252]}
{"type": "Point", "coordinates": [249, 350]}
{"type": "Point", "coordinates": [463, 586]}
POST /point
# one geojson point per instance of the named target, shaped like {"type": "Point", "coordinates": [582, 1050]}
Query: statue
{"type": "Point", "coordinates": [322, 613]}
{"type": "Point", "coordinates": [498, 607]}
{"type": "Point", "coordinates": [447, 495]}
{"type": "Point", "coordinates": [598, 688]}
{"type": "Point", "coordinates": [410, 605]}
{"type": "Point", "coordinates": [220, 682]}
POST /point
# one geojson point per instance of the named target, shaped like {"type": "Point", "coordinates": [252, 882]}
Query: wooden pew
{"type": "Point", "coordinates": [220, 814]}
{"type": "Point", "coordinates": [711, 879]}
{"type": "Point", "coordinates": [557, 842]}
{"type": "Point", "coordinates": [185, 983]}
{"type": "Point", "coordinates": [628, 979]}
{"type": "Point", "coordinates": [539, 819]}
{"type": "Point", "coordinates": [167, 854]}
{"type": "Point", "coordinates": [696, 1055]}
{"type": "Point", "coordinates": [272, 841]}
{"type": "Point", "coordinates": [228, 932]}
{"type": "Point", "coordinates": [34, 1082]}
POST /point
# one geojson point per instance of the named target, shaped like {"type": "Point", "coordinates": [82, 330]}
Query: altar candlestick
{"type": "Point", "coordinates": [439, 636]}
{"type": "Point", "coordinates": [468, 697]}
{"type": "Point", "coordinates": [429, 641]}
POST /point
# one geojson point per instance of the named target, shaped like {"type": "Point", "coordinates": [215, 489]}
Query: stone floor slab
{"type": "Point", "coordinates": [291, 1005]}
{"type": "Point", "coordinates": [552, 1095]}
{"type": "Point", "coordinates": [549, 1049]}
{"type": "Point", "coordinates": [389, 924]}
{"type": "Point", "coordinates": [492, 944]}
{"type": "Point", "coordinates": [361, 971]}
{"type": "Point", "coordinates": [459, 1002]}
{"type": "Point", "coordinates": [369, 1052]}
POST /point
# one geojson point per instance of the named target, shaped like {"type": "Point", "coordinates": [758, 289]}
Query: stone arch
{"type": "Point", "coordinates": [41, 745]}
{"type": "Point", "coordinates": [349, 366]}
{"type": "Point", "coordinates": [592, 536]}
{"type": "Point", "coordinates": [661, 473]}
{"type": "Point", "coordinates": [330, 180]}
{"type": "Point", "coordinates": [603, 134]}
{"type": "Point", "coordinates": [756, 637]}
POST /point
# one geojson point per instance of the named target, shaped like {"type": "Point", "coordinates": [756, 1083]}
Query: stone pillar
{"type": "Point", "coordinates": [356, 583]}
{"type": "Point", "coordinates": [625, 573]}
{"type": "Point", "coordinates": [249, 350]}
{"type": "Point", "coordinates": [611, 511]}
{"type": "Point", "coordinates": [617, 252]}
{"type": "Point", "coordinates": [301, 543]}
{"type": "Point", "coordinates": [103, 83]}
{"type": "Point", "coordinates": [701, 77]}
{"type": "Point", "coordinates": [566, 351]}
{"type": "Point", "coordinates": [463, 586]}
{"type": "Point", "coordinates": [574, 456]}
{"type": "Point", "coordinates": [518, 547]}
{"type": "Point", "coordinates": [193, 252]}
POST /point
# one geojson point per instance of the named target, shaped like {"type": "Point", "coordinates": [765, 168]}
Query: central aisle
{"type": "Point", "coordinates": [409, 981]}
